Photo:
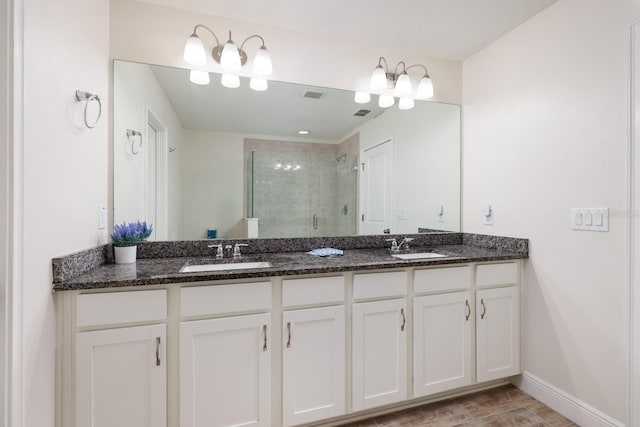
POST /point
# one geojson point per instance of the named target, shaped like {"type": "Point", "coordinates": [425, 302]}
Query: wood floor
{"type": "Point", "coordinates": [500, 407]}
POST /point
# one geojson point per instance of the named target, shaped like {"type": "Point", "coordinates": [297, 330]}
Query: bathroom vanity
{"type": "Point", "coordinates": [308, 341]}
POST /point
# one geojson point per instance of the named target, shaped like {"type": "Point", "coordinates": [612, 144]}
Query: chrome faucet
{"type": "Point", "coordinates": [219, 252]}
{"type": "Point", "coordinates": [405, 242]}
{"type": "Point", "coordinates": [395, 246]}
{"type": "Point", "coordinates": [236, 249]}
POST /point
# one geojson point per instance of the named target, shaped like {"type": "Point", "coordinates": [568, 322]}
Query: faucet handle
{"type": "Point", "coordinates": [219, 252]}
{"type": "Point", "coordinates": [236, 249]}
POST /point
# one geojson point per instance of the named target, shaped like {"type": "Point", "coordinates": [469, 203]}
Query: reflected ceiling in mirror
{"type": "Point", "coordinates": [190, 168]}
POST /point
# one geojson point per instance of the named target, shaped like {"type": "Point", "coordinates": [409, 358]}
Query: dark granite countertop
{"type": "Point", "coordinates": [160, 271]}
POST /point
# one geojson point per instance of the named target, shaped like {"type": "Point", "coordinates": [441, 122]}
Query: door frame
{"type": "Point", "coordinates": [633, 401]}
{"type": "Point", "coordinates": [11, 212]}
{"type": "Point", "coordinates": [161, 172]}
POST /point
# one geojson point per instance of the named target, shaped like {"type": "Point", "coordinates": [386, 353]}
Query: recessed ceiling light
{"type": "Point", "coordinates": [303, 132]}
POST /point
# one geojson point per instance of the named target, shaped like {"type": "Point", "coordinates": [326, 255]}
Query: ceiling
{"type": "Point", "coordinates": [216, 108]}
{"type": "Point", "coordinates": [451, 29]}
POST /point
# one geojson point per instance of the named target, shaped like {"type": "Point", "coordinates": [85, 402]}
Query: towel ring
{"type": "Point", "coordinates": [131, 134]}
{"type": "Point", "coordinates": [87, 97]}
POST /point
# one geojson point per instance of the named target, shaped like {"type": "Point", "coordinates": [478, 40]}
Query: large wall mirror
{"type": "Point", "coordinates": [200, 161]}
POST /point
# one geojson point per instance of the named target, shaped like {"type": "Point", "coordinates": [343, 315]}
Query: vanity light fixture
{"type": "Point", "coordinates": [397, 83]}
{"type": "Point", "coordinates": [230, 58]}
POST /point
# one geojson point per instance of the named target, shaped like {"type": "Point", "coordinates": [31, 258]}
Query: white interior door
{"type": "Point", "coordinates": [377, 186]}
{"type": "Point", "coordinates": [156, 177]}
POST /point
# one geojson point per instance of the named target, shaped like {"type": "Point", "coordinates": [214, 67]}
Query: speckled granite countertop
{"type": "Point", "coordinates": [159, 271]}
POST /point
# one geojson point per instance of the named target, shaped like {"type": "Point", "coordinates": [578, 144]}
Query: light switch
{"type": "Point", "coordinates": [102, 216]}
{"type": "Point", "coordinates": [590, 219]}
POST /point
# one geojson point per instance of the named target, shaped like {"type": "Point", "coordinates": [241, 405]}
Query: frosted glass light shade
{"type": "Point", "coordinates": [194, 52]}
{"type": "Point", "coordinates": [403, 86]}
{"type": "Point", "coordinates": [362, 97]}
{"type": "Point", "coordinates": [230, 80]}
{"type": "Point", "coordinates": [199, 77]}
{"type": "Point", "coordinates": [262, 62]}
{"type": "Point", "coordinates": [385, 101]}
{"type": "Point", "coordinates": [230, 57]}
{"type": "Point", "coordinates": [378, 81]}
{"type": "Point", "coordinates": [258, 84]}
{"type": "Point", "coordinates": [425, 88]}
{"type": "Point", "coordinates": [405, 103]}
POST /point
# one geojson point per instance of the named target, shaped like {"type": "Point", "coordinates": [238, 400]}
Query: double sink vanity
{"type": "Point", "coordinates": [277, 337]}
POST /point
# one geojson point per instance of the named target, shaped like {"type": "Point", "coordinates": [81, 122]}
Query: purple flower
{"type": "Point", "coordinates": [129, 234]}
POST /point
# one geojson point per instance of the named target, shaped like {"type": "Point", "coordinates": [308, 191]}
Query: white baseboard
{"type": "Point", "coordinates": [569, 406]}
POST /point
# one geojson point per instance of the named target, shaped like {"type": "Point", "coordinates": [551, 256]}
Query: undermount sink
{"type": "Point", "coordinates": [199, 268]}
{"type": "Point", "coordinates": [420, 255]}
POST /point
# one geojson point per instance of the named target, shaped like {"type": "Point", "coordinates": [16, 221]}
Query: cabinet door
{"type": "Point", "coordinates": [313, 364]}
{"type": "Point", "coordinates": [498, 333]}
{"type": "Point", "coordinates": [379, 353]}
{"type": "Point", "coordinates": [441, 342]}
{"type": "Point", "coordinates": [121, 377]}
{"type": "Point", "coordinates": [225, 372]}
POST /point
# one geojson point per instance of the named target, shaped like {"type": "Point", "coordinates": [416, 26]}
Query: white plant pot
{"type": "Point", "coordinates": [125, 254]}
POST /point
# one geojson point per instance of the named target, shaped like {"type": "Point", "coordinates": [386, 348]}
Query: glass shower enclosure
{"type": "Point", "coordinates": [310, 192]}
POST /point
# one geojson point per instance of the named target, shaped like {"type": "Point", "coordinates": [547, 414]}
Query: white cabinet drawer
{"type": "Point", "coordinates": [441, 279]}
{"type": "Point", "coordinates": [318, 290]}
{"type": "Point", "coordinates": [121, 307]}
{"type": "Point", "coordinates": [218, 299]}
{"type": "Point", "coordinates": [379, 285]}
{"type": "Point", "coordinates": [497, 274]}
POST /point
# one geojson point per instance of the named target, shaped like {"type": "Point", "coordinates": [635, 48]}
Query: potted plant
{"type": "Point", "coordinates": [125, 240]}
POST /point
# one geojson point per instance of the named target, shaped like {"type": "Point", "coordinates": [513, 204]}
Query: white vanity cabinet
{"type": "Point", "coordinates": [442, 330]}
{"type": "Point", "coordinates": [225, 362]}
{"type": "Point", "coordinates": [120, 372]}
{"type": "Point", "coordinates": [285, 351]}
{"type": "Point", "coordinates": [497, 321]}
{"type": "Point", "coordinates": [313, 350]}
{"type": "Point", "coordinates": [379, 340]}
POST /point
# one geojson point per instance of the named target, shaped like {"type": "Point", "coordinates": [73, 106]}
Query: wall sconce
{"type": "Point", "coordinates": [397, 83]}
{"type": "Point", "coordinates": [230, 58]}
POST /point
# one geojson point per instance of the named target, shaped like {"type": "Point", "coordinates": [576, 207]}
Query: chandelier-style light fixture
{"type": "Point", "coordinates": [230, 58]}
{"type": "Point", "coordinates": [389, 85]}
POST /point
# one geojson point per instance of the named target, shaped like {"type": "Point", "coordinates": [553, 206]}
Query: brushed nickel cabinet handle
{"type": "Point", "coordinates": [484, 309]}
{"type": "Point", "coordinates": [289, 332]}
{"type": "Point", "coordinates": [264, 329]}
{"type": "Point", "coordinates": [404, 319]}
{"type": "Point", "coordinates": [466, 302]}
{"type": "Point", "coordinates": [157, 351]}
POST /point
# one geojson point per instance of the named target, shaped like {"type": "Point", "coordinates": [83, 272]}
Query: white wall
{"type": "Point", "coordinates": [426, 163]}
{"type": "Point", "coordinates": [156, 35]}
{"type": "Point", "coordinates": [213, 178]}
{"type": "Point", "coordinates": [546, 119]}
{"type": "Point", "coordinates": [65, 169]}
{"type": "Point", "coordinates": [136, 91]}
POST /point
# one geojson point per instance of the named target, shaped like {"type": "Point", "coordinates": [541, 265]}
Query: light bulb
{"type": "Point", "coordinates": [230, 80]}
{"type": "Point", "coordinates": [262, 62]}
{"type": "Point", "coordinates": [230, 57]}
{"type": "Point", "coordinates": [405, 103]}
{"type": "Point", "coordinates": [425, 88]}
{"type": "Point", "coordinates": [362, 97]}
{"type": "Point", "coordinates": [403, 86]}
{"type": "Point", "coordinates": [385, 101]}
{"type": "Point", "coordinates": [199, 77]}
{"type": "Point", "coordinates": [194, 52]}
{"type": "Point", "coordinates": [378, 81]}
{"type": "Point", "coordinates": [258, 85]}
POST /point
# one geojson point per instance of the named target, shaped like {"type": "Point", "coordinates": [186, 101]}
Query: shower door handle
{"type": "Point", "coordinates": [315, 221]}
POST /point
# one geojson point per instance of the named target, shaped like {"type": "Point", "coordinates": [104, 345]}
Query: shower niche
{"type": "Point", "coordinates": [300, 189]}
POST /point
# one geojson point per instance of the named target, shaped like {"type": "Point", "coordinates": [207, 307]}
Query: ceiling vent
{"type": "Point", "coordinates": [361, 113]}
{"type": "Point", "coordinates": [312, 94]}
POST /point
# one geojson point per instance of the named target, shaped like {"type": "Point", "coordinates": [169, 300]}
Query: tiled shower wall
{"type": "Point", "coordinates": [291, 183]}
